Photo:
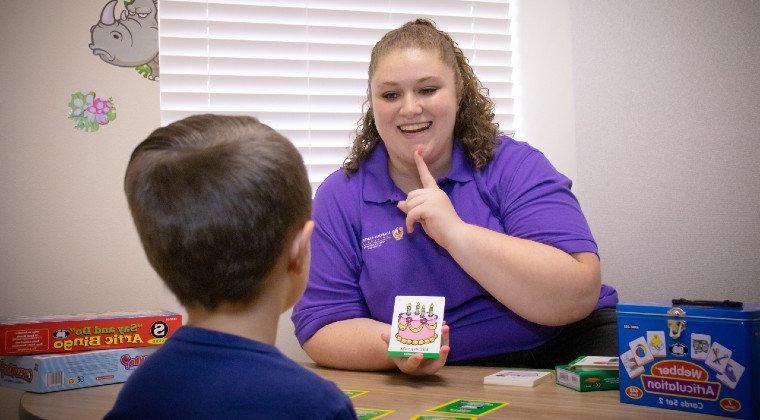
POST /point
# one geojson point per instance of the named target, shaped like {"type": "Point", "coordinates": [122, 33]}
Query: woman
{"type": "Point", "coordinates": [502, 237]}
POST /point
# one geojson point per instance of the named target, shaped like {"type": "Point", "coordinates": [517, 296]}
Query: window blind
{"type": "Point", "coordinates": [301, 66]}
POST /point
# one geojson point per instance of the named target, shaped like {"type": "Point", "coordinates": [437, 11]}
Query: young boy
{"type": "Point", "coordinates": [223, 206]}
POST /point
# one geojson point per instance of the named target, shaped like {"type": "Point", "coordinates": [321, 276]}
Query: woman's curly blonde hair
{"type": "Point", "coordinates": [474, 126]}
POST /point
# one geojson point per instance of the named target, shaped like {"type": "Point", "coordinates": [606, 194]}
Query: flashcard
{"type": "Point", "coordinates": [467, 406]}
{"type": "Point", "coordinates": [416, 326]}
{"type": "Point", "coordinates": [732, 374]}
{"type": "Point", "coordinates": [371, 413]}
{"type": "Point", "coordinates": [718, 357]}
{"type": "Point", "coordinates": [641, 351]}
{"type": "Point", "coordinates": [353, 393]}
{"type": "Point", "coordinates": [700, 346]}
{"type": "Point", "coordinates": [443, 417]}
{"type": "Point", "coordinates": [656, 342]}
{"type": "Point", "coordinates": [519, 377]}
{"type": "Point", "coordinates": [630, 365]}
{"type": "Point", "coordinates": [678, 349]}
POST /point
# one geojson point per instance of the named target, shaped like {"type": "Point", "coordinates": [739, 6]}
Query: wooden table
{"type": "Point", "coordinates": [407, 395]}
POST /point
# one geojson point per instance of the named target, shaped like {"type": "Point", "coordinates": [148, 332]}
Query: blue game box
{"type": "Point", "coordinates": [698, 356]}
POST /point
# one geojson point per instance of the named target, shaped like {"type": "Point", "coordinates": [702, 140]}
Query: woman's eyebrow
{"type": "Point", "coordinates": [428, 79]}
{"type": "Point", "coordinates": [420, 80]}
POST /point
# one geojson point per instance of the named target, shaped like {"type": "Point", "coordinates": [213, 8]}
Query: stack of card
{"type": "Point", "coordinates": [594, 363]}
{"type": "Point", "coordinates": [590, 373]}
{"type": "Point", "coordinates": [518, 377]}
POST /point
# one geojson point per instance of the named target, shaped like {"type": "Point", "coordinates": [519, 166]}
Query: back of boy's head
{"type": "Point", "coordinates": [215, 199]}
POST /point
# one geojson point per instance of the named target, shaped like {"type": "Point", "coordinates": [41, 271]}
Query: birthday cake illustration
{"type": "Point", "coordinates": [417, 328]}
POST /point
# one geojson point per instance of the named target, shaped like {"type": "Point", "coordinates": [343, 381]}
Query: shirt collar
{"type": "Point", "coordinates": [378, 187]}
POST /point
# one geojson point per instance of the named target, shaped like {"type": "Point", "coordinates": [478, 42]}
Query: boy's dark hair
{"type": "Point", "coordinates": [215, 199]}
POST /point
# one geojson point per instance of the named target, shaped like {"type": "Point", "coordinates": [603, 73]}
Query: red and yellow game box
{"type": "Point", "coordinates": [77, 333]}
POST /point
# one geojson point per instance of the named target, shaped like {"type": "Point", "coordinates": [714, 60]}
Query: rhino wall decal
{"type": "Point", "coordinates": [130, 40]}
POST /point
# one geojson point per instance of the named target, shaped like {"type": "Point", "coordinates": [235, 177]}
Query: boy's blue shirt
{"type": "Point", "coordinates": [201, 373]}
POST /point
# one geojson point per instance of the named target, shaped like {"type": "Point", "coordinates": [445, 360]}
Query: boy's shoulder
{"type": "Point", "coordinates": [208, 372]}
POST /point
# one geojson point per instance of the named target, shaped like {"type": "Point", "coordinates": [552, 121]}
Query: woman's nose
{"type": "Point", "coordinates": [411, 106]}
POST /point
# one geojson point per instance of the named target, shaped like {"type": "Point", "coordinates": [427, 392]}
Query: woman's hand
{"type": "Point", "coordinates": [416, 364]}
{"type": "Point", "coordinates": [430, 206]}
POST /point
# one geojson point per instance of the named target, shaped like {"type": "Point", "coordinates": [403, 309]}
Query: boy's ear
{"type": "Point", "coordinates": [300, 249]}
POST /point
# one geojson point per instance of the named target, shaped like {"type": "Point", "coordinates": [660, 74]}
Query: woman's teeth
{"type": "Point", "coordinates": [414, 128]}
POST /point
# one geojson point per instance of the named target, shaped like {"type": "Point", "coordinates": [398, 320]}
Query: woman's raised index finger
{"type": "Point", "coordinates": [425, 176]}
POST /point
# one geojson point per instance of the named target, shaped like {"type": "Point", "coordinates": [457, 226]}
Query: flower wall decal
{"type": "Point", "coordinates": [90, 112]}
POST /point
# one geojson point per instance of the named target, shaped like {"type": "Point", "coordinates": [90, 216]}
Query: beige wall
{"type": "Point", "coordinates": [651, 108]}
{"type": "Point", "coordinates": [668, 144]}
{"type": "Point", "coordinates": [68, 244]}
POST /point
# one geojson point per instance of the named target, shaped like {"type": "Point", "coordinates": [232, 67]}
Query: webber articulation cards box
{"type": "Point", "coordinates": [697, 356]}
{"type": "Point", "coordinates": [57, 372]}
{"type": "Point", "coordinates": [76, 333]}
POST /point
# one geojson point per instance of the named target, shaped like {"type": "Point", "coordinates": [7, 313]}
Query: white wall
{"type": "Point", "coordinates": [543, 80]}
{"type": "Point", "coordinates": [665, 125]}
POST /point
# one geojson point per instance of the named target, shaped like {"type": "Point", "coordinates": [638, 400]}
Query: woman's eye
{"type": "Point", "coordinates": [389, 96]}
{"type": "Point", "coordinates": [428, 90]}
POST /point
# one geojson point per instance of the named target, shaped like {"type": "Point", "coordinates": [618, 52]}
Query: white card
{"type": "Point", "coordinates": [630, 365]}
{"type": "Point", "coordinates": [641, 351]}
{"type": "Point", "coordinates": [731, 374]}
{"type": "Point", "coordinates": [718, 356]}
{"type": "Point", "coordinates": [518, 377]}
{"type": "Point", "coordinates": [416, 326]}
{"type": "Point", "coordinates": [700, 346]}
{"type": "Point", "coordinates": [656, 342]}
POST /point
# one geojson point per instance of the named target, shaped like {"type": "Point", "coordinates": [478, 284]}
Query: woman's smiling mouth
{"type": "Point", "coordinates": [414, 128]}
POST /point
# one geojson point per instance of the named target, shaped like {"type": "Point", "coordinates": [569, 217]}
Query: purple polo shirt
{"type": "Point", "coordinates": [358, 265]}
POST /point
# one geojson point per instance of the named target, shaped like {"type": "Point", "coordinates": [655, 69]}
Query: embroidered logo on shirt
{"type": "Point", "coordinates": [376, 241]}
{"type": "Point", "coordinates": [398, 233]}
